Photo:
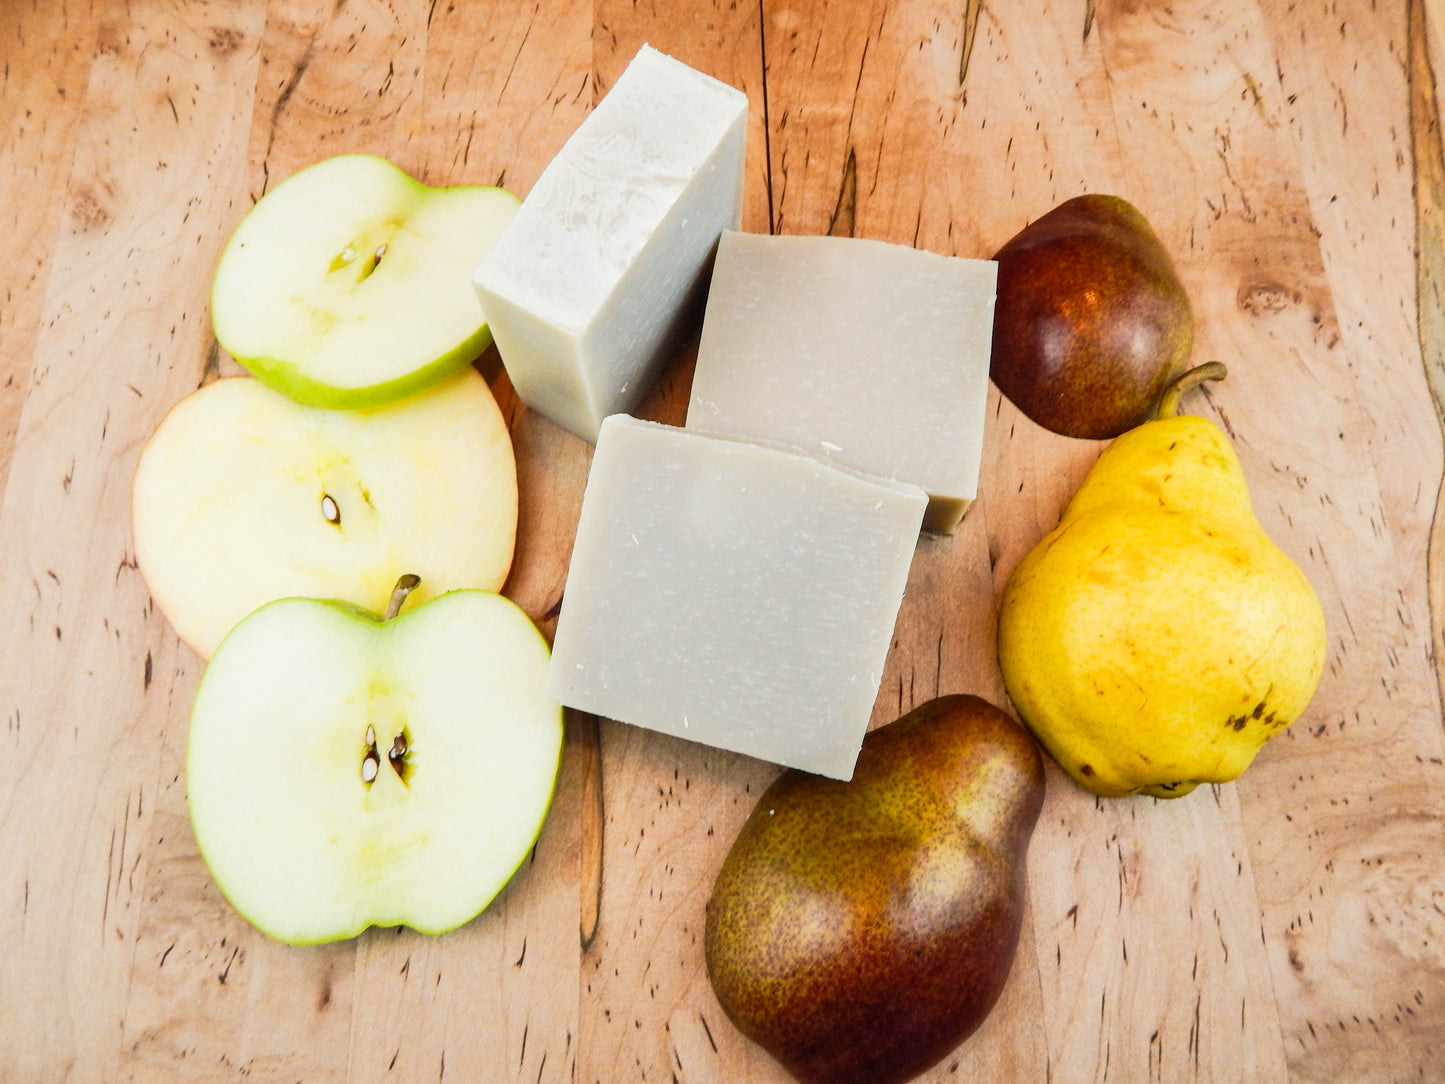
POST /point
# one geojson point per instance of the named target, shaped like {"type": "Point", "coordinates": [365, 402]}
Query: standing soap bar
{"type": "Point", "coordinates": [592, 281]}
{"type": "Point", "coordinates": [733, 593]}
{"type": "Point", "coordinates": [871, 354]}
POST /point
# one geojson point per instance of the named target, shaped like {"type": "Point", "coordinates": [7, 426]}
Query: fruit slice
{"type": "Point", "coordinates": [243, 496]}
{"type": "Point", "coordinates": [349, 284]}
{"type": "Point", "coordinates": [345, 771]}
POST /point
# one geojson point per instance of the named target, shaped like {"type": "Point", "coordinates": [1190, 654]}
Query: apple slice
{"type": "Point", "coordinates": [346, 771]}
{"type": "Point", "coordinates": [243, 496]}
{"type": "Point", "coordinates": [349, 284]}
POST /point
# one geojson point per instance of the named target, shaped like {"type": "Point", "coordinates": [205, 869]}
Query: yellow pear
{"type": "Point", "coordinates": [1157, 637]}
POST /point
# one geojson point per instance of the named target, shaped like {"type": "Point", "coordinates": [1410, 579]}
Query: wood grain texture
{"type": "Point", "coordinates": [1290, 926]}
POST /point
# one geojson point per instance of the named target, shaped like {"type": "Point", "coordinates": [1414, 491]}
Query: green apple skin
{"type": "Point", "coordinates": [302, 301]}
{"type": "Point", "coordinates": [243, 495]}
{"type": "Point", "coordinates": [297, 840]}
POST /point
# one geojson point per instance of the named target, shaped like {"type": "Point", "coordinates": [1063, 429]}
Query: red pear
{"type": "Point", "coordinates": [1091, 322]}
{"type": "Point", "coordinates": [860, 931]}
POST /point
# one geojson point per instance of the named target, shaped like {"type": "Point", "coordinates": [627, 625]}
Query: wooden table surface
{"type": "Point", "coordinates": [1287, 926]}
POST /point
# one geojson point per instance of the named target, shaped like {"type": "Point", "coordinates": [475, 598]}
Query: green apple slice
{"type": "Point", "coordinates": [344, 771]}
{"type": "Point", "coordinates": [349, 284]}
{"type": "Point", "coordinates": [243, 496]}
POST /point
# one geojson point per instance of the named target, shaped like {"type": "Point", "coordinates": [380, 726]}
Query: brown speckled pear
{"type": "Point", "coordinates": [1091, 322]}
{"type": "Point", "coordinates": [860, 931]}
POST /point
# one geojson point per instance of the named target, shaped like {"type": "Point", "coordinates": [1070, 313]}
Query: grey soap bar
{"type": "Point", "coordinates": [873, 355]}
{"type": "Point", "coordinates": [733, 593]}
{"type": "Point", "coordinates": [596, 276]}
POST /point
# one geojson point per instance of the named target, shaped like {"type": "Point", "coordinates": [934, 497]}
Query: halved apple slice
{"type": "Point", "coordinates": [349, 284]}
{"type": "Point", "coordinates": [243, 496]}
{"type": "Point", "coordinates": [344, 771]}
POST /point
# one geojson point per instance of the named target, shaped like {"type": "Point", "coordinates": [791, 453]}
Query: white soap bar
{"type": "Point", "coordinates": [733, 593]}
{"type": "Point", "coordinates": [874, 355]}
{"type": "Point", "coordinates": [592, 282]}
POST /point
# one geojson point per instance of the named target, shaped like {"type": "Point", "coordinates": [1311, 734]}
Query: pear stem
{"type": "Point", "coordinates": [1168, 404]}
{"type": "Point", "coordinates": [404, 586]}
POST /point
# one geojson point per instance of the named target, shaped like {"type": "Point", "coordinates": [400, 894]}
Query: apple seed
{"type": "Point", "coordinates": [329, 509]}
{"type": "Point", "coordinates": [397, 755]}
{"type": "Point", "coordinates": [371, 761]}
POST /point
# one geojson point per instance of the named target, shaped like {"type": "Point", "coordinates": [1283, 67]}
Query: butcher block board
{"type": "Point", "coordinates": [1288, 926]}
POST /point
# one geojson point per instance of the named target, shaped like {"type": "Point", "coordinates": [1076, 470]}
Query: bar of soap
{"type": "Point", "coordinates": [733, 593]}
{"type": "Point", "coordinates": [874, 355]}
{"type": "Point", "coordinates": [592, 283]}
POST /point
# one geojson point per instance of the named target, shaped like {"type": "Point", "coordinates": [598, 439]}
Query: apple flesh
{"type": "Point", "coordinates": [243, 496]}
{"type": "Point", "coordinates": [346, 771]}
{"type": "Point", "coordinates": [349, 284]}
